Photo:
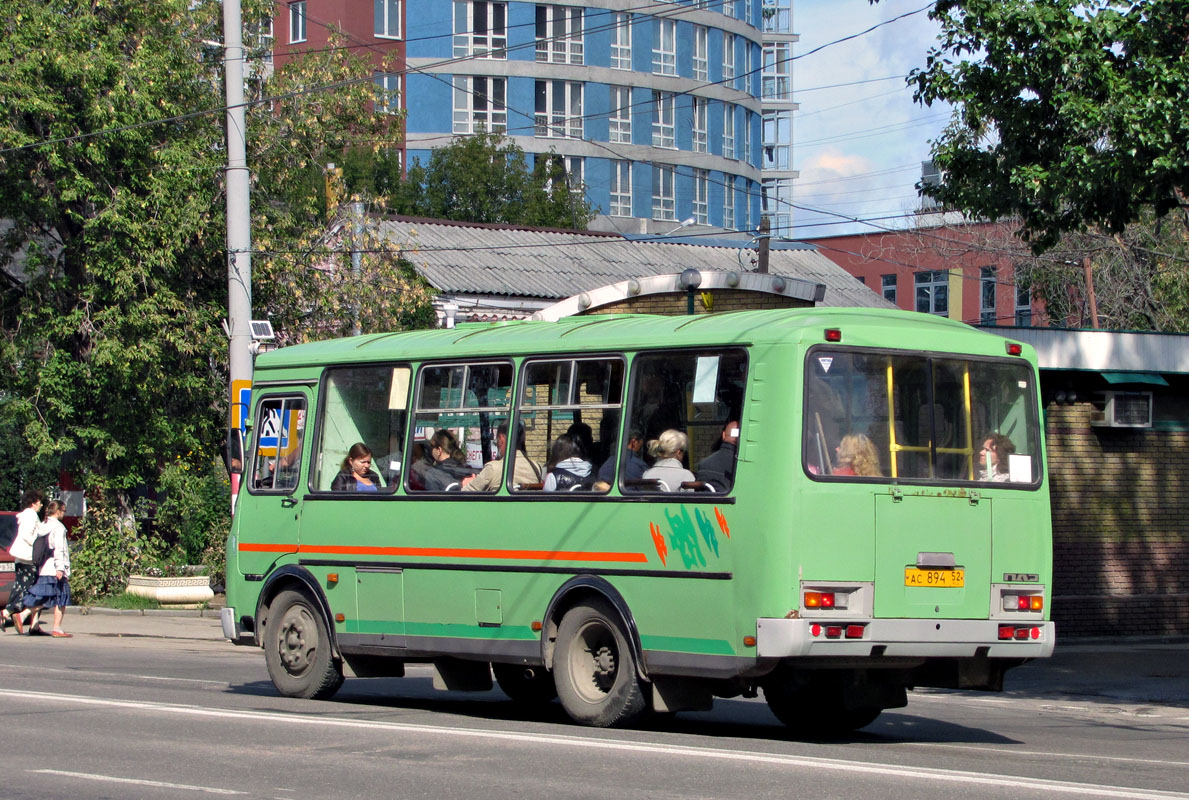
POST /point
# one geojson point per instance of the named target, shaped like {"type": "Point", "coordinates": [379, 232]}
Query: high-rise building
{"type": "Point", "coordinates": [776, 96]}
{"type": "Point", "coordinates": [654, 107]}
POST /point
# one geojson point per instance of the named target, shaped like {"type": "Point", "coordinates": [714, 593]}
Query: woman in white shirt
{"type": "Point", "coordinates": [21, 550]}
{"type": "Point", "coordinates": [669, 449]}
{"type": "Point", "coordinates": [52, 587]}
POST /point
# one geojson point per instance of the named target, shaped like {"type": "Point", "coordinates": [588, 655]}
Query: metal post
{"type": "Point", "coordinates": [239, 227]}
{"type": "Point", "coordinates": [356, 259]}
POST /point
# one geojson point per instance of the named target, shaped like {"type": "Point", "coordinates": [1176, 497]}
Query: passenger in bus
{"type": "Point", "coordinates": [524, 469]}
{"type": "Point", "coordinates": [856, 455]}
{"type": "Point", "coordinates": [567, 465]}
{"type": "Point", "coordinates": [718, 469]}
{"type": "Point", "coordinates": [668, 450]}
{"type": "Point", "coordinates": [633, 465]}
{"type": "Point", "coordinates": [994, 457]}
{"type": "Point", "coordinates": [445, 467]}
{"type": "Point", "coordinates": [356, 474]}
{"type": "Point", "coordinates": [585, 436]}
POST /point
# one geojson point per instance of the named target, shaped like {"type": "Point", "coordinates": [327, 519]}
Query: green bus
{"type": "Point", "coordinates": [633, 512]}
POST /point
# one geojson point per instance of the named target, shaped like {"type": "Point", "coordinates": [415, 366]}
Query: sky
{"type": "Point", "coordinates": [859, 148]}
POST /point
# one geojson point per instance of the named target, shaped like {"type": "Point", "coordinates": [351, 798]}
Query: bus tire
{"type": "Point", "coordinates": [528, 685]}
{"type": "Point", "coordinates": [297, 648]}
{"type": "Point", "coordinates": [815, 711]}
{"type": "Point", "coordinates": [594, 669]}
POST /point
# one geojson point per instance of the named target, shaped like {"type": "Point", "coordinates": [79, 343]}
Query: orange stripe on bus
{"type": "Point", "coordinates": [451, 552]}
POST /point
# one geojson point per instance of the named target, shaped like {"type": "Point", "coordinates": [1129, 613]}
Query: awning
{"type": "Point", "coordinates": [1115, 378]}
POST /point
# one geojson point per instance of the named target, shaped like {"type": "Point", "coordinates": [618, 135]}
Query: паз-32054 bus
{"type": "Point", "coordinates": [857, 507]}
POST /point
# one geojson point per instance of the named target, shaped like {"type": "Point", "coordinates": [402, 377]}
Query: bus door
{"type": "Point", "coordinates": [932, 555]}
{"type": "Point", "coordinates": [270, 501]}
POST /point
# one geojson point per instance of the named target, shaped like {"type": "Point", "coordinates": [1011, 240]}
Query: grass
{"type": "Point", "coordinates": [126, 601]}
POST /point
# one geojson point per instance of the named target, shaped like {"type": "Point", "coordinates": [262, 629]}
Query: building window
{"type": "Point", "coordinates": [701, 135]}
{"type": "Point", "coordinates": [728, 130]}
{"type": "Point", "coordinates": [1023, 306]}
{"type": "Point", "coordinates": [888, 282]}
{"type": "Point", "coordinates": [621, 114]}
{"type": "Point", "coordinates": [559, 34]}
{"type": "Point", "coordinates": [728, 8]}
{"type": "Point", "coordinates": [387, 19]}
{"type": "Point", "coordinates": [621, 188]}
{"type": "Point", "coordinates": [387, 93]}
{"type": "Point", "coordinates": [701, 59]}
{"type": "Point", "coordinates": [571, 169]}
{"type": "Point", "coordinates": [776, 199]}
{"type": "Point", "coordinates": [664, 55]}
{"type": "Point", "coordinates": [559, 110]}
{"type": "Point", "coordinates": [747, 4]}
{"type": "Point", "coordinates": [663, 126]}
{"type": "Point", "coordinates": [297, 22]}
{"type": "Point", "coordinates": [479, 104]}
{"type": "Point", "coordinates": [480, 30]}
{"type": "Point", "coordinates": [621, 42]}
{"type": "Point", "coordinates": [778, 140]}
{"type": "Point", "coordinates": [728, 58]}
{"type": "Point", "coordinates": [933, 292]}
{"type": "Point", "coordinates": [778, 16]}
{"type": "Point", "coordinates": [664, 195]}
{"type": "Point", "coordinates": [742, 80]}
{"type": "Point", "coordinates": [987, 291]}
{"type": "Point", "coordinates": [747, 136]}
{"type": "Point", "coordinates": [728, 202]}
{"type": "Point", "coordinates": [778, 71]}
{"type": "Point", "coordinates": [701, 196]}
{"type": "Point", "coordinates": [576, 174]}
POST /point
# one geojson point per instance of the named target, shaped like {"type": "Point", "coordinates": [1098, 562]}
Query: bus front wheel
{"type": "Point", "coordinates": [297, 648]}
{"type": "Point", "coordinates": [594, 669]}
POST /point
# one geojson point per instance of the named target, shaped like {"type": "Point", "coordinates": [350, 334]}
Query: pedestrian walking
{"type": "Point", "coordinates": [21, 550]}
{"type": "Point", "coordinates": [52, 587]}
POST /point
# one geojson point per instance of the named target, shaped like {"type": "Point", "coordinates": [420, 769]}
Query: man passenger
{"type": "Point", "coordinates": [524, 469]}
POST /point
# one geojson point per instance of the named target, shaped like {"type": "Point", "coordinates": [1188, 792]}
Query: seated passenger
{"type": "Point", "coordinates": [633, 465]}
{"type": "Point", "coordinates": [718, 468]}
{"type": "Point", "coordinates": [856, 455]}
{"type": "Point", "coordinates": [585, 437]}
{"type": "Point", "coordinates": [567, 466]}
{"type": "Point", "coordinates": [444, 466]}
{"type": "Point", "coordinates": [524, 469]}
{"type": "Point", "coordinates": [356, 473]}
{"type": "Point", "coordinates": [669, 449]}
{"type": "Point", "coordinates": [994, 457]}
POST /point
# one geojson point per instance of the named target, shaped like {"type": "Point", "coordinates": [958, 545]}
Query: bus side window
{"type": "Point", "coordinates": [279, 433]}
{"type": "Point", "coordinates": [363, 405]}
{"type": "Point", "coordinates": [697, 392]}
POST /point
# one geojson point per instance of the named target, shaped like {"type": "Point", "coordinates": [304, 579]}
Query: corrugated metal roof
{"type": "Point", "coordinates": [551, 264]}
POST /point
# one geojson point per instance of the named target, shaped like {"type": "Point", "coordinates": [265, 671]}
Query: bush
{"type": "Point", "coordinates": [109, 548]}
{"type": "Point", "coordinates": [193, 516]}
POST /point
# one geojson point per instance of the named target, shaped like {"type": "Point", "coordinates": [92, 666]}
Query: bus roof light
{"type": "Point", "coordinates": [1015, 349]}
{"type": "Point", "coordinates": [833, 334]}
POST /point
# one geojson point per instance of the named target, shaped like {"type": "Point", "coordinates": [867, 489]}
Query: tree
{"type": "Point", "coordinates": [485, 178]}
{"type": "Point", "coordinates": [111, 163]}
{"type": "Point", "coordinates": [1068, 115]}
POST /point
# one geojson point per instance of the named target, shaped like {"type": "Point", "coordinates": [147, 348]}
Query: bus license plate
{"type": "Point", "coordinates": [945, 578]}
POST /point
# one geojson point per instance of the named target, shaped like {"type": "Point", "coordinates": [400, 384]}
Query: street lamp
{"type": "Point", "coordinates": [690, 279]}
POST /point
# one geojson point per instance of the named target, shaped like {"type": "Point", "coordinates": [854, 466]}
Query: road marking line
{"type": "Point", "coordinates": [90, 776]}
{"type": "Point", "coordinates": [79, 672]}
{"type": "Point", "coordinates": [1043, 754]}
{"type": "Point", "coordinates": [837, 765]}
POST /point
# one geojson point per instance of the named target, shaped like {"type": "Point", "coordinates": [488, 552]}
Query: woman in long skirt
{"type": "Point", "coordinates": [21, 550]}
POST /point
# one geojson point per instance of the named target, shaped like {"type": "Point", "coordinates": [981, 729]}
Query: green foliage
{"type": "Point", "coordinates": [125, 602]}
{"type": "Point", "coordinates": [1068, 114]}
{"type": "Point", "coordinates": [109, 548]}
{"type": "Point", "coordinates": [192, 517]}
{"type": "Point", "coordinates": [485, 178]}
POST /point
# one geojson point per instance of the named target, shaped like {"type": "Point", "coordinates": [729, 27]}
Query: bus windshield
{"type": "Point", "coordinates": [920, 418]}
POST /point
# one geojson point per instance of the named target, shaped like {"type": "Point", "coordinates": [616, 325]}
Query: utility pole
{"type": "Point", "coordinates": [1088, 268]}
{"type": "Point", "coordinates": [239, 227]}
{"type": "Point", "coordinates": [356, 258]}
{"type": "Point", "coordinates": [764, 240]}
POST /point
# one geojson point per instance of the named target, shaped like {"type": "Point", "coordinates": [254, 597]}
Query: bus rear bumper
{"type": "Point", "coordinates": [914, 638]}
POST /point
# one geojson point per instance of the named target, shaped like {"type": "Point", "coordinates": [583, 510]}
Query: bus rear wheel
{"type": "Point", "coordinates": [817, 709]}
{"type": "Point", "coordinates": [297, 648]}
{"type": "Point", "coordinates": [594, 669]}
{"type": "Point", "coordinates": [528, 685]}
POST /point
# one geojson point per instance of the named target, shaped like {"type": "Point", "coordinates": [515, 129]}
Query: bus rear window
{"type": "Point", "coordinates": [873, 415]}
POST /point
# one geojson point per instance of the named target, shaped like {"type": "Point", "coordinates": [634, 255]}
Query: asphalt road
{"type": "Point", "coordinates": [155, 716]}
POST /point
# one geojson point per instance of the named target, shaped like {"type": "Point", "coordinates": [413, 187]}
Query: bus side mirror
{"type": "Point", "coordinates": [233, 457]}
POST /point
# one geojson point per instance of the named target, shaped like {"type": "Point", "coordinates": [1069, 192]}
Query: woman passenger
{"type": "Point", "coordinates": [669, 450]}
{"type": "Point", "coordinates": [446, 467]}
{"type": "Point", "coordinates": [994, 457]}
{"type": "Point", "coordinates": [356, 474]}
{"type": "Point", "coordinates": [567, 465]}
{"type": "Point", "coordinates": [857, 456]}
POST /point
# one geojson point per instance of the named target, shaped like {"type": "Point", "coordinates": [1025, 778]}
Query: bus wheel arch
{"type": "Point", "coordinates": [583, 589]}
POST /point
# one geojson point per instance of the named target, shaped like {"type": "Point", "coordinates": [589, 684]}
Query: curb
{"type": "Point", "coordinates": [212, 613]}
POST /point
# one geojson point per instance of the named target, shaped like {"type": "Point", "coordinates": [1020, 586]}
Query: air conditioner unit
{"type": "Point", "coordinates": [1122, 410]}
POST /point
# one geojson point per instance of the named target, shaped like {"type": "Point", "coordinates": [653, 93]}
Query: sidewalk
{"type": "Point", "coordinates": [1113, 670]}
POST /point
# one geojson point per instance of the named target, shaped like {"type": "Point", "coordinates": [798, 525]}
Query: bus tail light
{"type": "Point", "coordinates": [855, 631]}
{"type": "Point", "coordinates": [1018, 633]}
{"type": "Point", "coordinates": [1015, 349]}
{"type": "Point", "coordinates": [1023, 602]}
{"type": "Point", "coordinates": [819, 599]}
{"type": "Point", "coordinates": [833, 334]}
{"type": "Point", "coordinates": [833, 631]}
{"type": "Point", "coordinates": [1036, 603]}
